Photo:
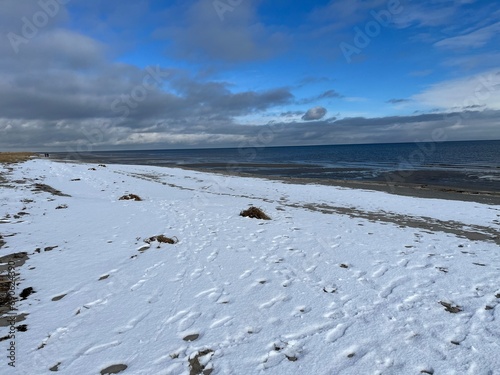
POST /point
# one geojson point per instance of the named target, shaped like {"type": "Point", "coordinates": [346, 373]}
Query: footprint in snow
{"type": "Point", "coordinates": [223, 322]}
{"type": "Point", "coordinates": [246, 274]}
{"type": "Point", "coordinates": [212, 256]}
{"type": "Point", "coordinates": [274, 301]}
{"type": "Point", "coordinates": [188, 321]}
{"type": "Point", "coordinates": [138, 285]}
{"type": "Point", "coordinates": [196, 273]}
{"type": "Point", "coordinates": [281, 351]}
{"type": "Point", "coordinates": [132, 323]}
{"type": "Point", "coordinates": [380, 272]}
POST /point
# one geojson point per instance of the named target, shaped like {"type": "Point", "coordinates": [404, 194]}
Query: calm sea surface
{"type": "Point", "coordinates": [474, 164]}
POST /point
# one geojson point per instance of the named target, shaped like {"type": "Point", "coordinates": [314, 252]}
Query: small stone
{"type": "Point", "coordinates": [114, 369]}
{"type": "Point", "coordinates": [22, 328]}
{"type": "Point", "coordinates": [55, 367]}
{"type": "Point", "coordinates": [58, 298]}
{"type": "Point", "coordinates": [191, 337]}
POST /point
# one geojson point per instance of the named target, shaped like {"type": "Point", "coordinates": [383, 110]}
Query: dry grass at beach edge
{"type": "Point", "coordinates": [15, 157]}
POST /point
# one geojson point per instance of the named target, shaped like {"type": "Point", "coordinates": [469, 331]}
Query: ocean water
{"type": "Point", "coordinates": [471, 164]}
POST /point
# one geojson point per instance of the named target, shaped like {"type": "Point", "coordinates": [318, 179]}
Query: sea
{"type": "Point", "coordinates": [467, 164]}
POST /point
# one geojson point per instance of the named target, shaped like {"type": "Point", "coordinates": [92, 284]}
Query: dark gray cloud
{"type": "Point", "coordinates": [61, 90]}
{"type": "Point", "coordinates": [93, 134]}
{"type": "Point", "coordinates": [63, 75]}
{"type": "Point", "coordinates": [17, 15]}
{"type": "Point", "coordinates": [316, 113]}
{"type": "Point", "coordinates": [291, 114]}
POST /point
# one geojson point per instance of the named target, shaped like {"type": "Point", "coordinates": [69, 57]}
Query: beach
{"type": "Point", "coordinates": [345, 277]}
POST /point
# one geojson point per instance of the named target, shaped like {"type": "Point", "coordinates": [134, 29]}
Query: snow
{"type": "Point", "coordinates": [308, 292]}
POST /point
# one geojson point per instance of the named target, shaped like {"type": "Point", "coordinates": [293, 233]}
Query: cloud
{"type": "Point", "coordinates": [397, 101]}
{"type": "Point", "coordinates": [61, 90]}
{"type": "Point", "coordinates": [66, 90]}
{"type": "Point", "coordinates": [464, 125]}
{"type": "Point", "coordinates": [480, 61]}
{"type": "Point", "coordinates": [482, 89]}
{"type": "Point", "coordinates": [426, 14]}
{"type": "Point", "coordinates": [289, 114]}
{"type": "Point", "coordinates": [343, 14]}
{"type": "Point", "coordinates": [329, 94]}
{"type": "Point", "coordinates": [198, 33]}
{"type": "Point", "coordinates": [64, 75]}
{"type": "Point", "coordinates": [475, 39]}
{"type": "Point", "coordinates": [16, 13]}
{"type": "Point", "coordinates": [316, 113]}
{"type": "Point", "coordinates": [94, 134]}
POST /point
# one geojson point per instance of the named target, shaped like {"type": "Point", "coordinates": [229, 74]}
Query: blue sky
{"type": "Point", "coordinates": [73, 72]}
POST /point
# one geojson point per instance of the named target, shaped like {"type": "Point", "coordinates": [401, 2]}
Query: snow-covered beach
{"type": "Point", "coordinates": [339, 281]}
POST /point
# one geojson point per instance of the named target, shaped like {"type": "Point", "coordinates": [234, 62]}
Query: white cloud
{"type": "Point", "coordinates": [481, 91]}
{"type": "Point", "coordinates": [475, 39]}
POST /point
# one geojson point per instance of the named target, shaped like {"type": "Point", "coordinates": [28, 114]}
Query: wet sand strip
{"type": "Point", "coordinates": [470, 232]}
{"type": "Point", "coordinates": [405, 189]}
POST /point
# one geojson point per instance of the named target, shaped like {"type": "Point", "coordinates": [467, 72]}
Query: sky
{"type": "Point", "coordinates": [81, 75]}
